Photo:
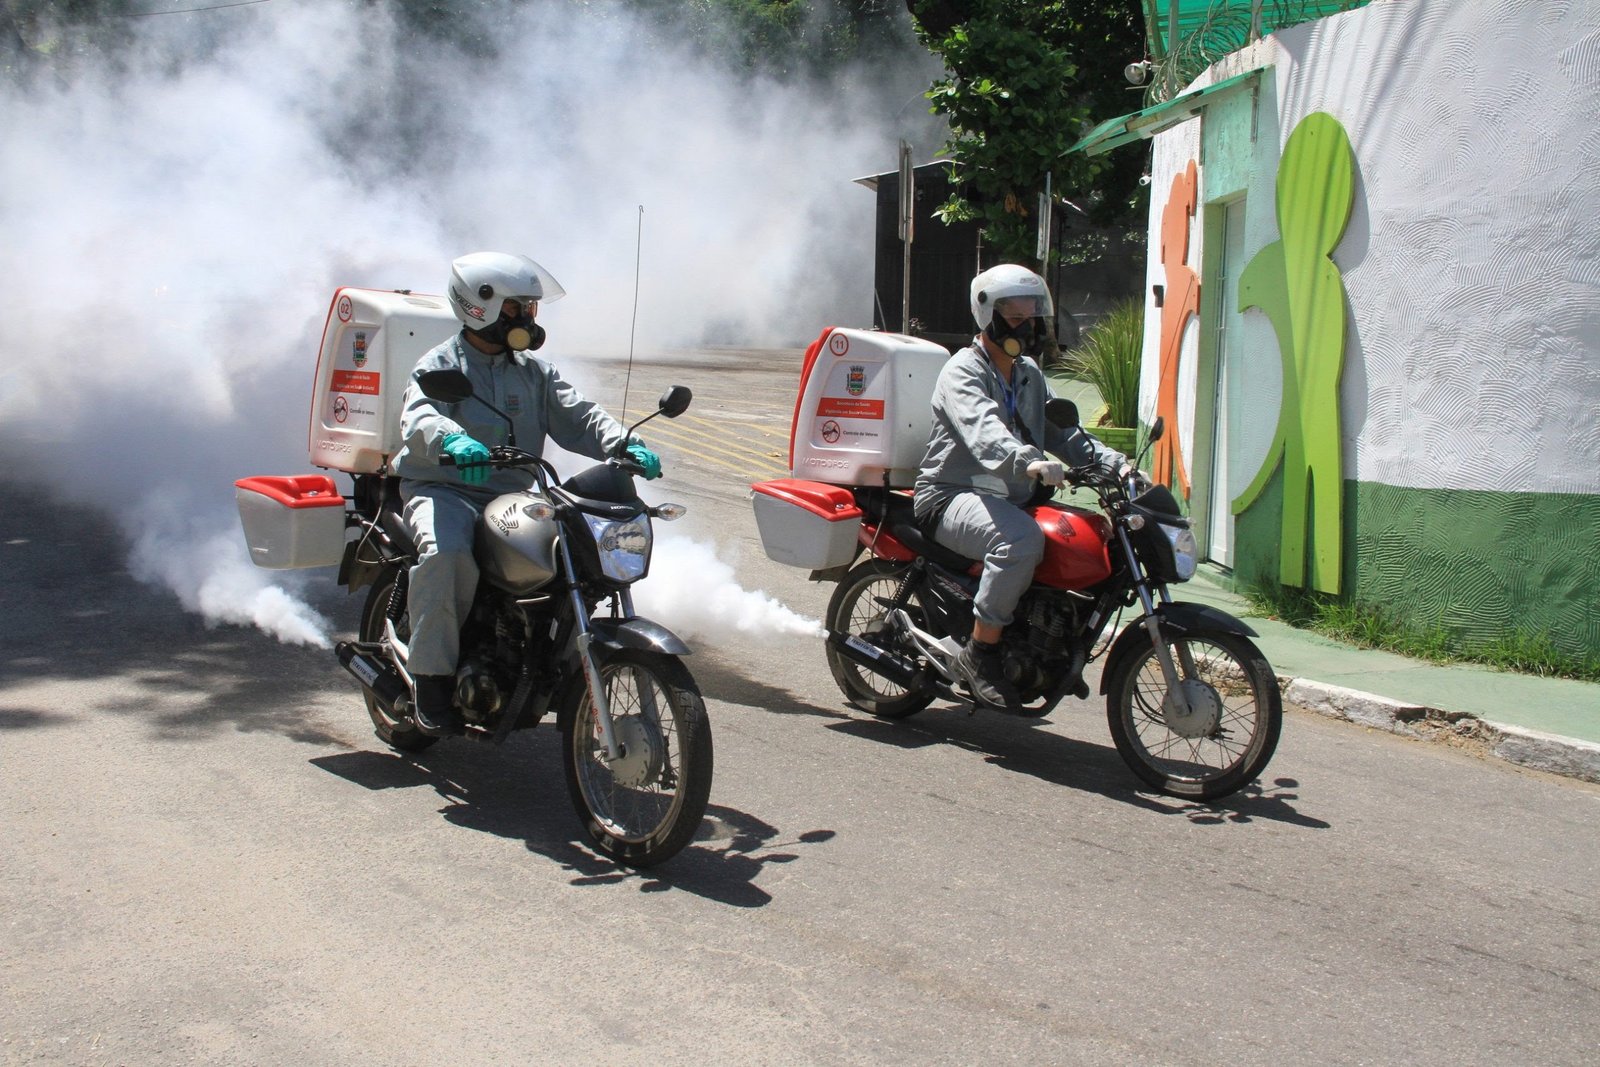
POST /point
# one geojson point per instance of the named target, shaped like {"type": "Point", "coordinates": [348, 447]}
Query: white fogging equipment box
{"type": "Point", "coordinates": [865, 408]}
{"type": "Point", "coordinates": [370, 346]}
{"type": "Point", "coordinates": [291, 521]}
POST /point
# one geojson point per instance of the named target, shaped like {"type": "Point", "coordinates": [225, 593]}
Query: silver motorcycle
{"type": "Point", "coordinates": [636, 739]}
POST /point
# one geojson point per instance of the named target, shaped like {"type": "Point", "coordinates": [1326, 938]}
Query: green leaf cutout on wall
{"type": "Point", "coordinates": [1295, 283]}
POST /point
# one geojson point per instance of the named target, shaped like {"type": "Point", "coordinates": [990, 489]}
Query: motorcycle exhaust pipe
{"type": "Point", "coordinates": [896, 668]}
{"type": "Point", "coordinates": [376, 674]}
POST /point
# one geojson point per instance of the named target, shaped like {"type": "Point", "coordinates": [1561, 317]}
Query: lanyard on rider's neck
{"type": "Point", "coordinates": [1008, 392]}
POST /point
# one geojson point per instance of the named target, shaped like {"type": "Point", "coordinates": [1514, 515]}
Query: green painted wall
{"type": "Point", "coordinates": [1481, 565]}
{"type": "Point", "coordinates": [1228, 144]}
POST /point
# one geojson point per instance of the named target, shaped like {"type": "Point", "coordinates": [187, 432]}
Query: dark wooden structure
{"type": "Point", "coordinates": [945, 258]}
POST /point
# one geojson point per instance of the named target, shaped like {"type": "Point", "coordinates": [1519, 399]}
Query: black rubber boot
{"type": "Point", "coordinates": [983, 670]}
{"type": "Point", "coordinates": [434, 708]}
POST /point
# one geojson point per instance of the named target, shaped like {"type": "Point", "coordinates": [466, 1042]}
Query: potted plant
{"type": "Point", "coordinates": [1109, 359]}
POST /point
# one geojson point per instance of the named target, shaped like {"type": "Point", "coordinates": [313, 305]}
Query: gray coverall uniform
{"type": "Point", "coordinates": [441, 509]}
{"type": "Point", "coordinates": [974, 475]}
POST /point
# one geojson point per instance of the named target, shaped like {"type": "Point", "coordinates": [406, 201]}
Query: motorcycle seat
{"type": "Point", "coordinates": [895, 512]}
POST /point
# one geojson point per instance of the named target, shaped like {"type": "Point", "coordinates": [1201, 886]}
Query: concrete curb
{"type": "Point", "coordinates": [1550, 753]}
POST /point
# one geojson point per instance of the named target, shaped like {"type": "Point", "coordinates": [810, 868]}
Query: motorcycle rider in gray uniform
{"type": "Point", "coordinates": [496, 296]}
{"type": "Point", "coordinates": [987, 456]}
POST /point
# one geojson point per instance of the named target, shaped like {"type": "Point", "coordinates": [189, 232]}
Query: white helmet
{"type": "Point", "coordinates": [1008, 281]}
{"type": "Point", "coordinates": [479, 282]}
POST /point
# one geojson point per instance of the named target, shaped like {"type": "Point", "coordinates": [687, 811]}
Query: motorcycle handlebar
{"type": "Point", "coordinates": [503, 456]}
{"type": "Point", "coordinates": [1088, 474]}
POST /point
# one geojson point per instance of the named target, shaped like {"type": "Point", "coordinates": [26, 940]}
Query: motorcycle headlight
{"type": "Point", "coordinates": [1185, 551]}
{"type": "Point", "coordinates": [624, 546]}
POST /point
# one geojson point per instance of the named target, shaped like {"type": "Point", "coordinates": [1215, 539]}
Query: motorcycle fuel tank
{"type": "Point", "coordinates": [516, 553]}
{"type": "Point", "coordinates": [1077, 547]}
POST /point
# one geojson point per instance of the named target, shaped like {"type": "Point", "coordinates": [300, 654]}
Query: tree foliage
{"type": "Point", "coordinates": [797, 38]}
{"type": "Point", "coordinates": [1025, 79]}
{"type": "Point", "coordinates": [780, 38]}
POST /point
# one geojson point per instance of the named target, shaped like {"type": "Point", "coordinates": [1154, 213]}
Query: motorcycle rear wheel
{"type": "Point", "coordinates": [1229, 738]}
{"type": "Point", "coordinates": [857, 608]}
{"type": "Point", "coordinates": [394, 730]}
{"type": "Point", "coordinates": [646, 806]}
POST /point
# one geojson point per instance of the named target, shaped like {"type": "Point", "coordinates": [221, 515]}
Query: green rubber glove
{"type": "Point", "coordinates": [646, 459]}
{"type": "Point", "coordinates": [472, 458]}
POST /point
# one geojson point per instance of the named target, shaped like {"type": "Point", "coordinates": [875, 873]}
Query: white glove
{"type": "Point", "coordinates": [1047, 471]}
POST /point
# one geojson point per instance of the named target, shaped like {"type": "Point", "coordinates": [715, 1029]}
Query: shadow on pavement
{"type": "Point", "coordinates": [1014, 744]}
{"type": "Point", "coordinates": [519, 793]}
{"type": "Point", "coordinates": [719, 681]}
{"type": "Point", "coordinates": [1018, 745]}
{"type": "Point", "coordinates": [74, 613]}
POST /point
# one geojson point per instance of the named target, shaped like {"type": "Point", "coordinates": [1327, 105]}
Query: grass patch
{"type": "Point", "coordinates": [1370, 626]}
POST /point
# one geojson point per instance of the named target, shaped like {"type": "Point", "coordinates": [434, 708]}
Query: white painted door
{"type": "Point", "coordinates": [1225, 313]}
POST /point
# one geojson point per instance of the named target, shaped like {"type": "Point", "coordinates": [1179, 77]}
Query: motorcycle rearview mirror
{"type": "Point", "coordinates": [447, 385]}
{"type": "Point", "coordinates": [674, 402]}
{"type": "Point", "coordinates": [1157, 428]}
{"type": "Point", "coordinates": [1061, 413]}
{"type": "Point", "coordinates": [450, 386]}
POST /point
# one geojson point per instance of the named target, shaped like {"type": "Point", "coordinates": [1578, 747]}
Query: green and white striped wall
{"type": "Point", "coordinates": [1465, 390]}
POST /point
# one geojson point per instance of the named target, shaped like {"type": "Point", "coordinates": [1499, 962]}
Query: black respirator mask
{"type": "Point", "coordinates": [1013, 340]}
{"type": "Point", "coordinates": [518, 334]}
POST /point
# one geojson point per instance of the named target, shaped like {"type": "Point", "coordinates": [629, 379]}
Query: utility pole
{"type": "Point", "coordinates": [908, 206]}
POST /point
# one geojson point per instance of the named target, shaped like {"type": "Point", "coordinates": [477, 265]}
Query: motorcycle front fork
{"type": "Point", "coordinates": [591, 669]}
{"type": "Point", "coordinates": [1170, 672]}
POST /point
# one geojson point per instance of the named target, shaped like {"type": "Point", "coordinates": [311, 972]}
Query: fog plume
{"type": "Point", "coordinates": [177, 215]}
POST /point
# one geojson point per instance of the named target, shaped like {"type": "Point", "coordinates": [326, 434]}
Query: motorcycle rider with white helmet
{"type": "Point", "coordinates": [986, 457]}
{"type": "Point", "coordinates": [496, 296]}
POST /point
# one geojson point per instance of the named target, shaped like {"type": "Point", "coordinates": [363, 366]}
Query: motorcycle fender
{"type": "Point", "coordinates": [1179, 616]}
{"type": "Point", "coordinates": [353, 572]}
{"type": "Point", "coordinates": [611, 635]}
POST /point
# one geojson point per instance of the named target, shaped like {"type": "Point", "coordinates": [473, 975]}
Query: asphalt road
{"type": "Point", "coordinates": [211, 859]}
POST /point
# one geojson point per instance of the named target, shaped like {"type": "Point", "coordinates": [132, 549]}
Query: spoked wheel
{"type": "Point", "coordinates": [392, 728]}
{"type": "Point", "coordinates": [859, 607]}
{"type": "Point", "coordinates": [1225, 737]}
{"type": "Point", "coordinates": [646, 806]}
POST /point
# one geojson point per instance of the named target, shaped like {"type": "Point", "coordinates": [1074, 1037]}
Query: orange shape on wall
{"type": "Point", "coordinates": [1181, 301]}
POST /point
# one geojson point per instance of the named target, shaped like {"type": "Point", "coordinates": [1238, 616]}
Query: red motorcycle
{"type": "Point", "coordinates": [1192, 704]}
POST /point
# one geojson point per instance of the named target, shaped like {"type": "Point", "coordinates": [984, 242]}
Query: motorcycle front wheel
{"type": "Point", "coordinates": [645, 806]}
{"type": "Point", "coordinates": [1229, 731]}
{"type": "Point", "coordinates": [858, 607]}
{"type": "Point", "coordinates": [393, 729]}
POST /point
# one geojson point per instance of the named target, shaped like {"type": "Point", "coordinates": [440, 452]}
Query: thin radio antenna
{"type": "Point", "coordinates": [638, 242]}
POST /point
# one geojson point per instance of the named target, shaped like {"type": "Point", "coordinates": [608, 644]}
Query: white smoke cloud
{"type": "Point", "coordinates": [210, 576]}
{"type": "Point", "coordinates": [176, 221]}
{"type": "Point", "coordinates": [692, 590]}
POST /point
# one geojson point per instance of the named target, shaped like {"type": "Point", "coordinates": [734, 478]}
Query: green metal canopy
{"type": "Point", "coordinates": [1152, 120]}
